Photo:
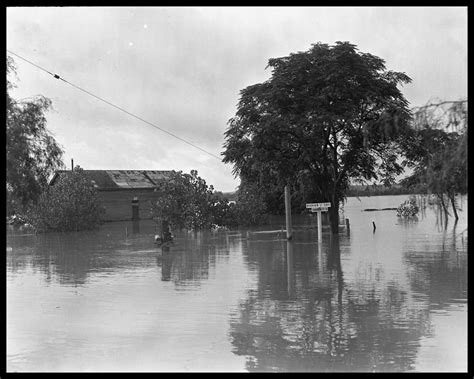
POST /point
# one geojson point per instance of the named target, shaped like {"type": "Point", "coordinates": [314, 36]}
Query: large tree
{"type": "Point", "coordinates": [325, 116]}
{"type": "Point", "coordinates": [32, 152]}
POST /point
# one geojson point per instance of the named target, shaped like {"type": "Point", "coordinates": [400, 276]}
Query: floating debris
{"type": "Point", "coordinates": [377, 209]}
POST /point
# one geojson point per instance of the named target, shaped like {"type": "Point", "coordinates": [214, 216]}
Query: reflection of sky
{"type": "Point", "coordinates": [393, 281]}
{"type": "Point", "coordinates": [386, 249]}
{"type": "Point", "coordinates": [436, 353]}
{"type": "Point", "coordinates": [420, 258]}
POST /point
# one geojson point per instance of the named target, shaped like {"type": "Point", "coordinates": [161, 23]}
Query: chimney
{"type": "Point", "coordinates": [72, 164]}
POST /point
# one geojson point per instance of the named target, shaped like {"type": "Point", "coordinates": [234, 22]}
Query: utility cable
{"type": "Point", "coordinates": [115, 106]}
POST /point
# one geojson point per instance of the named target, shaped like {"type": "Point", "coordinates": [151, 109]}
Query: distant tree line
{"type": "Point", "coordinates": [381, 190]}
{"type": "Point", "coordinates": [353, 190]}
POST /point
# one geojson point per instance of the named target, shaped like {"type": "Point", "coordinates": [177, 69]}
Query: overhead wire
{"type": "Point", "coordinates": [151, 124]}
{"type": "Point", "coordinates": [115, 106]}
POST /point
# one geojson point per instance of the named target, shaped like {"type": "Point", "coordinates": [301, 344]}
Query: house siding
{"type": "Point", "coordinates": [118, 203]}
{"type": "Point", "coordinates": [117, 189]}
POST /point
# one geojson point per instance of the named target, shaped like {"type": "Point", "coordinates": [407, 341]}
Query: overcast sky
{"type": "Point", "coordinates": [182, 68]}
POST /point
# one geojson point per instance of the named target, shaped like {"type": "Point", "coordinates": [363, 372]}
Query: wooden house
{"type": "Point", "coordinates": [125, 194]}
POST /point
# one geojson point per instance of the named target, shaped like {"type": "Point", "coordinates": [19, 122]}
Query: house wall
{"type": "Point", "coordinates": [118, 203]}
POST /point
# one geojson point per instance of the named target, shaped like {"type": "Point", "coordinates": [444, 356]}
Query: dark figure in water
{"type": "Point", "coordinates": [165, 235]}
{"type": "Point", "coordinates": [165, 260]}
{"type": "Point", "coordinates": [373, 224]}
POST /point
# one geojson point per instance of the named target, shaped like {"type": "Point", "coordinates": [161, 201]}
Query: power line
{"type": "Point", "coordinates": [115, 106]}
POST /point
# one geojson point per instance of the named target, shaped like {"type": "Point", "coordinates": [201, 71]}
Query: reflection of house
{"type": "Point", "coordinates": [118, 188]}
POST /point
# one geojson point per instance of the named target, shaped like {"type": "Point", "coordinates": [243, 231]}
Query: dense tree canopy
{"type": "Point", "coordinates": [325, 116]}
{"type": "Point", "coordinates": [32, 152]}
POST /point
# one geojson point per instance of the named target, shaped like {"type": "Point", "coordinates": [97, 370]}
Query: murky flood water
{"type": "Point", "coordinates": [390, 300]}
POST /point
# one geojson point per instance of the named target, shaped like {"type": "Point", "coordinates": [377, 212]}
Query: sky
{"type": "Point", "coordinates": [182, 70]}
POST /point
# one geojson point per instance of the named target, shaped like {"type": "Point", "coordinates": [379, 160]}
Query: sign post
{"type": "Point", "coordinates": [320, 226]}
{"type": "Point", "coordinates": [319, 207]}
{"type": "Point", "coordinates": [288, 213]}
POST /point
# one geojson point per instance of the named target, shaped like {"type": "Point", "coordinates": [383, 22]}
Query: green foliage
{"type": "Point", "coordinates": [187, 202]}
{"type": "Point", "coordinates": [326, 115]}
{"type": "Point", "coordinates": [32, 153]}
{"type": "Point", "coordinates": [71, 204]}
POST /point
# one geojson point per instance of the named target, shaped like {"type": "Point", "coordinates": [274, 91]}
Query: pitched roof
{"type": "Point", "coordinates": [116, 179]}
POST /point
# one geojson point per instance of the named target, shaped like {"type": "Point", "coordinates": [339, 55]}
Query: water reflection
{"type": "Point", "coordinates": [190, 259]}
{"type": "Point", "coordinates": [290, 277]}
{"type": "Point", "coordinates": [334, 265]}
{"type": "Point", "coordinates": [165, 260]}
{"type": "Point", "coordinates": [73, 258]}
{"type": "Point", "coordinates": [371, 321]}
{"type": "Point", "coordinates": [135, 226]}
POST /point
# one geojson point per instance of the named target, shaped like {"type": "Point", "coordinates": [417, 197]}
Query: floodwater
{"type": "Point", "coordinates": [110, 300]}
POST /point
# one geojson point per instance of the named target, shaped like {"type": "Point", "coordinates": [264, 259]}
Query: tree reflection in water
{"type": "Point", "coordinates": [190, 260]}
{"type": "Point", "coordinates": [166, 261]}
{"type": "Point", "coordinates": [321, 323]}
{"type": "Point", "coordinates": [73, 258]}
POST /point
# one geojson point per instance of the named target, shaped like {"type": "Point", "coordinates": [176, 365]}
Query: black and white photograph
{"type": "Point", "coordinates": [236, 189]}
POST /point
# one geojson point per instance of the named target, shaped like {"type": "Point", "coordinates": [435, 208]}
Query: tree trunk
{"type": "Point", "coordinates": [334, 215]}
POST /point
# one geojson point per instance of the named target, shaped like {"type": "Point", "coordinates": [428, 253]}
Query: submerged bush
{"type": "Point", "coordinates": [187, 202]}
{"type": "Point", "coordinates": [408, 209]}
{"type": "Point", "coordinates": [72, 204]}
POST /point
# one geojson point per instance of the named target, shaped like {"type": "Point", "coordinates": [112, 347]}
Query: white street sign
{"type": "Point", "coordinates": [318, 205]}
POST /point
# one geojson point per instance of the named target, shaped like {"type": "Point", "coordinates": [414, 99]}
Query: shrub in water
{"type": "Point", "coordinates": [187, 202]}
{"type": "Point", "coordinates": [71, 204]}
{"type": "Point", "coordinates": [407, 209]}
